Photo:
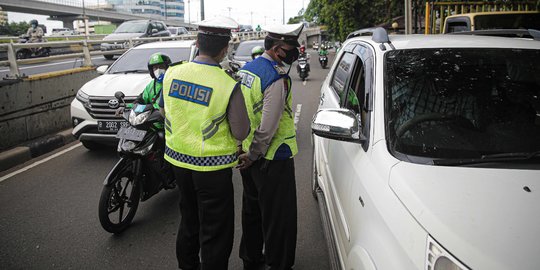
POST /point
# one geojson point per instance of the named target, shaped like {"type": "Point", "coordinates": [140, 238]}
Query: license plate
{"type": "Point", "coordinates": [111, 126]}
{"type": "Point", "coordinates": [130, 133]}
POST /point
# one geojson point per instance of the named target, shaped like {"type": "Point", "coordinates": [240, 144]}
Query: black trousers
{"type": "Point", "coordinates": [207, 219]}
{"type": "Point", "coordinates": [269, 214]}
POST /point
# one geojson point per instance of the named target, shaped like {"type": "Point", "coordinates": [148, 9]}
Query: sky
{"type": "Point", "coordinates": [253, 12]}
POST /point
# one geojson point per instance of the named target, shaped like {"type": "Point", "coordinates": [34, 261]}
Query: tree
{"type": "Point", "coordinates": [345, 16]}
{"type": "Point", "coordinates": [14, 29]}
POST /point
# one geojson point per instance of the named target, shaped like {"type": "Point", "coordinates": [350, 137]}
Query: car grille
{"type": "Point", "coordinates": [99, 107]}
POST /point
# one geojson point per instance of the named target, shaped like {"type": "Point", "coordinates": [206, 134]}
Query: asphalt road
{"type": "Point", "coordinates": [49, 220]}
{"type": "Point", "coordinates": [55, 66]}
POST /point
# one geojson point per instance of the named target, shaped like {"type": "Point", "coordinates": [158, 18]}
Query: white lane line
{"type": "Point", "coordinates": [52, 64]}
{"type": "Point", "coordinates": [297, 115]}
{"type": "Point", "coordinates": [38, 162]}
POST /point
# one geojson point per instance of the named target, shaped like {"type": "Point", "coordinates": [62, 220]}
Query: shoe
{"type": "Point", "coordinates": [254, 265]}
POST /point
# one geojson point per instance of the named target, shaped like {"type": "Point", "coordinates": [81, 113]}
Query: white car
{"type": "Point", "coordinates": [427, 153]}
{"type": "Point", "coordinates": [93, 109]}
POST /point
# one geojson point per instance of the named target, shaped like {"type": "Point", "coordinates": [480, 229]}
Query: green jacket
{"type": "Point", "coordinates": [150, 95]}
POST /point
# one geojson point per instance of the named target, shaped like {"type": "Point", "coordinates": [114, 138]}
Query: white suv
{"type": "Point", "coordinates": [93, 109]}
{"type": "Point", "coordinates": [427, 152]}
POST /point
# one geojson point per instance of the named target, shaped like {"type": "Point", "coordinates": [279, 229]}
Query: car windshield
{"type": "Point", "coordinates": [244, 49]}
{"type": "Point", "coordinates": [132, 27]}
{"type": "Point", "coordinates": [137, 60]}
{"type": "Point", "coordinates": [462, 103]}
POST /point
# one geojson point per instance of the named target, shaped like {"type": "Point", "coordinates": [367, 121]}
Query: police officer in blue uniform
{"type": "Point", "coordinates": [269, 199]}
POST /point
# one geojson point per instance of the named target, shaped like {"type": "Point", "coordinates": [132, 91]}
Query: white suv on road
{"type": "Point", "coordinates": [93, 109]}
{"type": "Point", "coordinates": [427, 152]}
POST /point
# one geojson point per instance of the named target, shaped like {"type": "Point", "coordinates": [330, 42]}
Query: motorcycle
{"type": "Point", "coordinates": [141, 171]}
{"type": "Point", "coordinates": [323, 60]}
{"type": "Point", "coordinates": [303, 68]}
{"type": "Point", "coordinates": [24, 53]}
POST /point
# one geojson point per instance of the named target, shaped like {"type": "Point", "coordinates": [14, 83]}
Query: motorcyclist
{"type": "Point", "coordinates": [256, 52]}
{"type": "Point", "coordinates": [323, 51]}
{"type": "Point", "coordinates": [303, 56]}
{"type": "Point", "coordinates": [34, 33]}
{"type": "Point", "coordinates": [157, 65]}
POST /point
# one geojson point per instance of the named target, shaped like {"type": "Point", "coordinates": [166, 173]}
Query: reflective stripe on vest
{"type": "Point", "coordinates": [198, 136]}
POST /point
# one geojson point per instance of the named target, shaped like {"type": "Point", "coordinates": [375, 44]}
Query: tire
{"type": "Point", "coordinates": [92, 146]}
{"type": "Point", "coordinates": [22, 54]}
{"type": "Point", "coordinates": [108, 56]}
{"type": "Point", "coordinates": [123, 191]}
{"type": "Point", "coordinates": [314, 175]}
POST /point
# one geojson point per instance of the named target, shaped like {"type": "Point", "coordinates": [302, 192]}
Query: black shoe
{"type": "Point", "coordinates": [254, 265]}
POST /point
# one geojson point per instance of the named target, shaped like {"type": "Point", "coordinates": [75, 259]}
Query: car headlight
{"type": "Point", "coordinates": [440, 259]}
{"type": "Point", "coordinates": [136, 120]}
{"type": "Point", "coordinates": [83, 98]}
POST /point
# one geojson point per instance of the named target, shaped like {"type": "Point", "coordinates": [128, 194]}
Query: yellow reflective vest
{"type": "Point", "coordinates": [197, 133]}
{"type": "Point", "coordinates": [256, 77]}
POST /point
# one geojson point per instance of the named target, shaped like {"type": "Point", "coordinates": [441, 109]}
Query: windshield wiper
{"type": "Point", "coordinates": [130, 71]}
{"type": "Point", "coordinates": [500, 157]}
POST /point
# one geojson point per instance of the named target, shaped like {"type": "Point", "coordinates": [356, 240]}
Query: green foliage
{"type": "Point", "coordinates": [345, 16]}
{"type": "Point", "coordinates": [14, 29]}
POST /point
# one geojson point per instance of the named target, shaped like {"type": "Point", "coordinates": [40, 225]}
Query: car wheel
{"type": "Point", "coordinates": [314, 175]}
{"type": "Point", "coordinates": [92, 145]}
{"type": "Point", "coordinates": [108, 56]}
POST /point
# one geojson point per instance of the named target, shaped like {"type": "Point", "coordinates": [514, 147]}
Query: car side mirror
{"type": "Point", "coordinates": [154, 31]}
{"type": "Point", "coordinates": [338, 124]}
{"type": "Point", "coordinates": [102, 69]}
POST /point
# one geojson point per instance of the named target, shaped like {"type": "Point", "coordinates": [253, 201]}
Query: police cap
{"type": "Point", "coordinates": [288, 33]}
{"type": "Point", "coordinates": [218, 26]}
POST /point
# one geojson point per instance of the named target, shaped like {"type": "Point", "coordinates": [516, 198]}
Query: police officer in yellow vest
{"type": "Point", "coordinates": [205, 116]}
{"type": "Point", "coordinates": [267, 167]}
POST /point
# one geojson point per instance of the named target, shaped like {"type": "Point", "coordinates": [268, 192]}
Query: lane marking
{"type": "Point", "coordinates": [38, 162]}
{"type": "Point", "coordinates": [297, 115]}
{"type": "Point", "coordinates": [52, 64]}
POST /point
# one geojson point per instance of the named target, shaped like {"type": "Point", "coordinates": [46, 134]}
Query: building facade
{"type": "Point", "coordinates": [156, 9]}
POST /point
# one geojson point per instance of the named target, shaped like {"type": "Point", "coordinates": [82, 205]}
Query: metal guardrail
{"type": "Point", "coordinates": [13, 63]}
{"type": "Point", "coordinates": [15, 39]}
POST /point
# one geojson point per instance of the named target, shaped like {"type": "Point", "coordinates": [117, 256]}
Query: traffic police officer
{"type": "Point", "coordinates": [205, 116]}
{"type": "Point", "coordinates": [267, 167]}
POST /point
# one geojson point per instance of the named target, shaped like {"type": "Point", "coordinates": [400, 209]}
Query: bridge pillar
{"type": "Point", "coordinates": [67, 21]}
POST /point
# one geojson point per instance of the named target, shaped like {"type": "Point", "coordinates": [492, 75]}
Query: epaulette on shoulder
{"type": "Point", "coordinates": [177, 63]}
{"type": "Point", "coordinates": [280, 70]}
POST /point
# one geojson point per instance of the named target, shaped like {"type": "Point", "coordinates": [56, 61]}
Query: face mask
{"type": "Point", "coordinates": [290, 56]}
{"type": "Point", "coordinates": [159, 73]}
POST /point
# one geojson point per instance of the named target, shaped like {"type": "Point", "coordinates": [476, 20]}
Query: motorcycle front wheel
{"type": "Point", "coordinates": [120, 198]}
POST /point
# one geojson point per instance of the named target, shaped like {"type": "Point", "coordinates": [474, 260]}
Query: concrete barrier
{"type": "Point", "coordinates": [39, 105]}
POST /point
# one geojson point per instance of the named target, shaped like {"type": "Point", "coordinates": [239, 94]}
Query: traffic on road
{"type": "Point", "coordinates": [279, 151]}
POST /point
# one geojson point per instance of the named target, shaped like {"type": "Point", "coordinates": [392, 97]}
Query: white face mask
{"type": "Point", "coordinates": [158, 72]}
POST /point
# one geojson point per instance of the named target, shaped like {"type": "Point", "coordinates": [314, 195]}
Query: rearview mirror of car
{"type": "Point", "coordinates": [338, 124]}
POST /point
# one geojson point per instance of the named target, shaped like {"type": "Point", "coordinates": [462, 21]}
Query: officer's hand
{"type": "Point", "coordinates": [244, 162]}
{"type": "Point", "coordinates": [119, 111]}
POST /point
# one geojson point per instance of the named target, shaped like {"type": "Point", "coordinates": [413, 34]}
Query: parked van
{"type": "Point", "coordinates": [492, 20]}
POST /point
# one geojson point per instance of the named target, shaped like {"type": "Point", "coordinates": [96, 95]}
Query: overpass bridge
{"type": "Point", "coordinates": [67, 14]}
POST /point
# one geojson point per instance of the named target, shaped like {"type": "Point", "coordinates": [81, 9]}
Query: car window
{"type": "Point", "coordinates": [134, 60]}
{"type": "Point", "coordinates": [342, 74]}
{"type": "Point", "coordinates": [172, 30]}
{"type": "Point", "coordinates": [244, 49]}
{"type": "Point", "coordinates": [462, 102]}
{"type": "Point", "coordinates": [131, 27]}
